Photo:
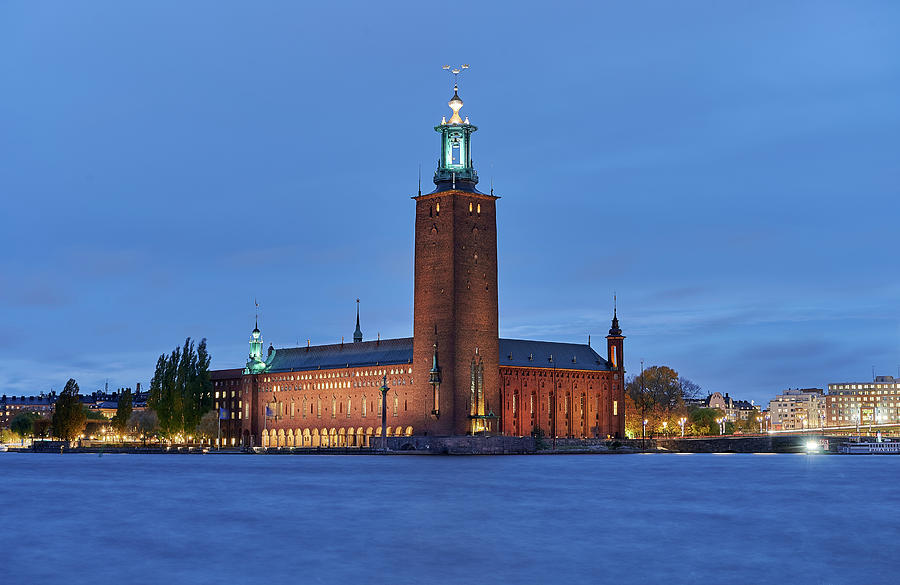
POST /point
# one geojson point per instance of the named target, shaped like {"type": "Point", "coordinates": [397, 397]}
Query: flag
{"type": "Point", "coordinates": [223, 414]}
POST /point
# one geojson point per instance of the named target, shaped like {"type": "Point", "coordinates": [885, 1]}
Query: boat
{"type": "Point", "coordinates": [871, 448]}
{"type": "Point", "coordinates": [3, 448]}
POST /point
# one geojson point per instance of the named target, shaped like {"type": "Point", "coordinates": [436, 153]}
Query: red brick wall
{"type": "Point", "coordinates": [455, 302]}
{"type": "Point", "coordinates": [581, 406]}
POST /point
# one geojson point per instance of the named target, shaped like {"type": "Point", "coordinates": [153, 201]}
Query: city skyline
{"type": "Point", "coordinates": [155, 197]}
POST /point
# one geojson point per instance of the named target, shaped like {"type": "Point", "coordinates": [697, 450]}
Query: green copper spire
{"type": "Point", "coordinates": [255, 363]}
{"type": "Point", "coordinates": [455, 170]}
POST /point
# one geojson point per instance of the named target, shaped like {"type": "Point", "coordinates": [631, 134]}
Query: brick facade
{"type": "Point", "coordinates": [455, 376]}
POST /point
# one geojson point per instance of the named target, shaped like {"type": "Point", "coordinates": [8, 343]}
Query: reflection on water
{"type": "Point", "coordinates": [183, 519]}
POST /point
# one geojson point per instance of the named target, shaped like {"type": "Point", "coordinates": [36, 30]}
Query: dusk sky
{"type": "Point", "coordinates": [730, 170]}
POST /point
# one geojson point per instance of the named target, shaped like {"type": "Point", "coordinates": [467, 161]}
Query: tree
{"type": "Point", "coordinates": [123, 411]}
{"type": "Point", "coordinates": [181, 389]}
{"type": "Point", "coordinates": [68, 415]}
{"type": "Point", "coordinates": [41, 427]}
{"type": "Point", "coordinates": [657, 396]}
{"type": "Point", "coordinates": [94, 415]}
{"type": "Point", "coordinates": [144, 423]}
{"type": "Point", "coordinates": [703, 421]}
{"type": "Point", "coordinates": [209, 425]}
{"type": "Point", "coordinates": [23, 425]}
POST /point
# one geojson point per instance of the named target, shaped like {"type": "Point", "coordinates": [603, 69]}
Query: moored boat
{"type": "Point", "coordinates": [871, 448]}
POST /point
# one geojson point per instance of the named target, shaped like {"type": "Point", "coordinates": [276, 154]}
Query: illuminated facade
{"type": "Point", "coordinates": [798, 409]}
{"type": "Point", "coordinates": [455, 376]}
{"type": "Point", "coordinates": [864, 403]}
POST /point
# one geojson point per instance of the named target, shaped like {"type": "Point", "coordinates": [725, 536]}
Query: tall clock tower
{"type": "Point", "coordinates": [455, 312]}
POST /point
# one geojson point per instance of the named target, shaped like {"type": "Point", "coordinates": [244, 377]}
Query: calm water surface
{"type": "Point", "coordinates": [183, 519]}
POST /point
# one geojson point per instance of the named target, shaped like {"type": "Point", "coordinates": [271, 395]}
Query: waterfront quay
{"type": "Point", "coordinates": [496, 445]}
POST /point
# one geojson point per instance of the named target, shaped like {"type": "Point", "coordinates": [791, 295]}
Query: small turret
{"type": "Point", "coordinates": [357, 335]}
{"type": "Point", "coordinates": [615, 342]}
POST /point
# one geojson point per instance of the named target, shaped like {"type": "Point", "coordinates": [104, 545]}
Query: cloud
{"type": "Point", "coordinates": [35, 293]}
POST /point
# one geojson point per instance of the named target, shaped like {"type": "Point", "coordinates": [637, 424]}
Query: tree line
{"type": "Point", "coordinates": [180, 404]}
{"type": "Point", "coordinates": [181, 389]}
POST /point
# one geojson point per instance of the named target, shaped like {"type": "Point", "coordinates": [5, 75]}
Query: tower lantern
{"type": "Point", "coordinates": [255, 362]}
{"type": "Point", "coordinates": [455, 170]}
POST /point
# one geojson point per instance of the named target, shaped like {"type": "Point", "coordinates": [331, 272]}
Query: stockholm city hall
{"type": "Point", "coordinates": [455, 375]}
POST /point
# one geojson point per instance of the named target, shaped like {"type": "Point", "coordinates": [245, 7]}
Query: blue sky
{"type": "Point", "coordinates": [730, 170]}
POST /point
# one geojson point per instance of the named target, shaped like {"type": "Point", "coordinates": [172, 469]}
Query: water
{"type": "Point", "coordinates": [187, 519]}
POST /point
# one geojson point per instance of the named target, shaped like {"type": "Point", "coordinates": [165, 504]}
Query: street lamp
{"type": "Point", "coordinates": [767, 423]}
{"type": "Point", "coordinates": [721, 422]}
{"type": "Point", "coordinates": [681, 421]}
{"type": "Point", "coordinates": [665, 428]}
{"type": "Point", "coordinates": [643, 432]}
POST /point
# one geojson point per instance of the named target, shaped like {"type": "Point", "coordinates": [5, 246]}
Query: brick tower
{"type": "Point", "coordinates": [455, 313]}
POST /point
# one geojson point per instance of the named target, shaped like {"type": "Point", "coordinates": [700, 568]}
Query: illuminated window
{"type": "Point", "coordinates": [319, 407]}
{"type": "Point", "coordinates": [348, 407]}
{"type": "Point", "coordinates": [438, 207]}
{"type": "Point", "coordinates": [470, 207]}
{"type": "Point", "coordinates": [478, 210]}
{"type": "Point", "coordinates": [364, 405]}
{"type": "Point", "coordinates": [333, 406]}
{"type": "Point", "coordinates": [615, 407]}
{"type": "Point", "coordinates": [396, 402]}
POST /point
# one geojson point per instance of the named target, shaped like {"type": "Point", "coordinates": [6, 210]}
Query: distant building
{"type": "Point", "coordinates": [10, 406]}
{"type": "Point", "coordinates": [105, 403]}
{"type": "Point", "coordinates": [798, 409]}
{"type": "Point", "coordinates": [734, 410]}
{"type": "Point", "coordinates": [865, 403]}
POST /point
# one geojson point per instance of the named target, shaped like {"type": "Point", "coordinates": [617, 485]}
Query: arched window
{"type": "Point", "coordinates": [349, 404]}
{"type": "Point", "coordinates": [396, 402]}
{"type": "Point", "coordinates": [364, 405]}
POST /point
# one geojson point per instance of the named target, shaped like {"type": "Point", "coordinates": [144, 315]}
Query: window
{"type": "Point", "coordinates": [349, 404]}
{"type": "Point", "coordinates": [380, 403]}
{"type": "Point", "coordinates": [319, 407]}
{"type": "Point", "coordinates": [615, 408]}
{"type": "Point", "coordinates": [333, 406]}
{"type": "Point", "coordinates": [364, 405]}
{"type": "Point", "coordinates": [396, 402]}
